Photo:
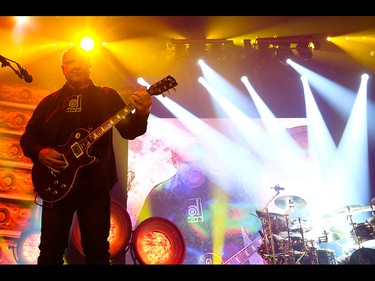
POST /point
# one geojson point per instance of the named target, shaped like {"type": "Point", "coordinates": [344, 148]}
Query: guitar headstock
{"type": "Point", "coordinates": [162, 86]}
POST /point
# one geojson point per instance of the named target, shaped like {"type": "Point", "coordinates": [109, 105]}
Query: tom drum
{"type": "Point", "coordinates": [364, 234]}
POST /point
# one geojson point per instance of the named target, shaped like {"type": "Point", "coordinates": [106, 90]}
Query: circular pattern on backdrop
{"type": "Point", "coordinates": [158, 240]}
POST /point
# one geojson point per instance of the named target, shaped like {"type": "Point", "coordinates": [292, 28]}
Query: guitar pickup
{"type": "Point", "coordinates": [76, 150]}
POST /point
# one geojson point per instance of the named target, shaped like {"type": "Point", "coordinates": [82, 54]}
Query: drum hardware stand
{"type": "Point", "coordinates": [269, 230]}
{"type": "Point", "coordinates": [269, 201]}
{"type": "Point", "coordinates": [323, 239]}
{"type": "Point", "coordinates": [289, 252]}
{"type": "Point", "coordinates": [308, 247]}
{"type": "Point", "coordinates": [301, 231]}
{"type": "Point", "coordinates": [269, 237]}
{"type": "Point", "coordinates": [290, 256]}
{"type": "Point", "coordinates": [312, 251]}
{"type": "Point", "coordinates": [298, 261]}
{"type": "Point", "coordinates": [289, 249]}
{"type": "Point", "coordinates": [305, 249]}
{"type": "Point", "coordinates": [357, 239]}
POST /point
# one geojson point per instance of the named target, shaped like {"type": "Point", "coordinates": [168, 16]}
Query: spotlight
{"type": "Point", "coordinates": [265, 51]}
{"type": "Point", "coordinates": [283, 46]}
{"type": "Point", "coordinates": [305, 50]}
{"type": "Point", "coordinates": [215, 51]}
{"type": "Point", "coordinates": [284, 52]}
{"type": "Point", "coordinates": [181, 51]}
{"type": "Point", "coordinates": [158, 240]}
{"type": "Point", "coordinates": [201, 48]}
{"type": "Point", "coordinates": [196, 50]}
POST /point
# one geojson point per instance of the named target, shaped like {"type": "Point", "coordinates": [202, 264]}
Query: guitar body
{"type": "Point", "coordinates": [52, 187]}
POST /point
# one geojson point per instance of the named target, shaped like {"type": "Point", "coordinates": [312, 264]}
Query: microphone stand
{"type": "Point", "coordinates": [5, 62]}
{"type": "Point", "coordinates": [272, 198]}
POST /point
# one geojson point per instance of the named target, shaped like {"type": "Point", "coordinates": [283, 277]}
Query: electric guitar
{"type": "Point", "coordinates": [239, 258]}
{"type": "Point", "coordinates": [52, 187]}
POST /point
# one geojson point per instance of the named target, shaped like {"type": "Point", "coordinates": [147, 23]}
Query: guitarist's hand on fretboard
{"type": "Point", "coordinates": [141, 101]}
{"type": "Point", "coordinates": [52, 159]}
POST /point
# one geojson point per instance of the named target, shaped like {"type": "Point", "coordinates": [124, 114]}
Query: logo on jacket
{"type": "Point", "coordinates": [75, 104]}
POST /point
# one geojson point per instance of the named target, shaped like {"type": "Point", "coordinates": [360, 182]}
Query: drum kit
{"type": "Point", "coordinates": [284, 240]}
{"type": "Point", "coordinates": [363, 235]}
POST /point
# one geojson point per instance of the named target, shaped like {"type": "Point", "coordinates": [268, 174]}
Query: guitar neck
{"type": "Point", "coordinates": [106, 126]}
{"type": "Point", "coordinates": [244, 254]}
{"type": "Point", "coordinates": [110, 123]}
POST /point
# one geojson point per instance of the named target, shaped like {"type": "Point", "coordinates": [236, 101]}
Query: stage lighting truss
{"type": "Point", "coordinates": [214, 49]}
{"type": "Point", "coordinates": [282, 47]}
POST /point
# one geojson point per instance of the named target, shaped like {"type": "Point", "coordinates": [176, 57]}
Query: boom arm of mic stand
{"type": "Point", "coordinates": [269, 201]}
{"type": "Point", "coordinates": [5, 62]}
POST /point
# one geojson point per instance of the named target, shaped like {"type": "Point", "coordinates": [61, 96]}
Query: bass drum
{"type": "Point", "coordinates": [363, 256]}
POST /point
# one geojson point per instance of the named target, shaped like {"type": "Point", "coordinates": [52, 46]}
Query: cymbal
{"type": "Point", "coordinates": [290, 202]}
{"type": "Point", "coordinates": [336, 233]}
{"type": "Point", "coordinates": [355, 209]}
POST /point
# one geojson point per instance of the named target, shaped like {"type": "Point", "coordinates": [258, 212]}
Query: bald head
{"type": "Point", "coordinates": [76, 67]}
{"type": "Point", "coordinates": [75, 52]}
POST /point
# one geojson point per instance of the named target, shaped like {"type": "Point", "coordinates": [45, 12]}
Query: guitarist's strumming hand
{"type": "Point", "coordinates": [52, 159]}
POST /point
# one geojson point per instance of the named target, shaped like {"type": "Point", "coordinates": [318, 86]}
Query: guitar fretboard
{"type": "Point", "coordinates": [105, 127]}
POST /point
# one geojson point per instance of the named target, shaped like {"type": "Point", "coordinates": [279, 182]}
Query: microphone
{"type": "Point", "coordinates": [277, 187]}
{"type": "Point", "coordinates": [22, 73]}
{"type": "Point", "coordinates": [25, 75]}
